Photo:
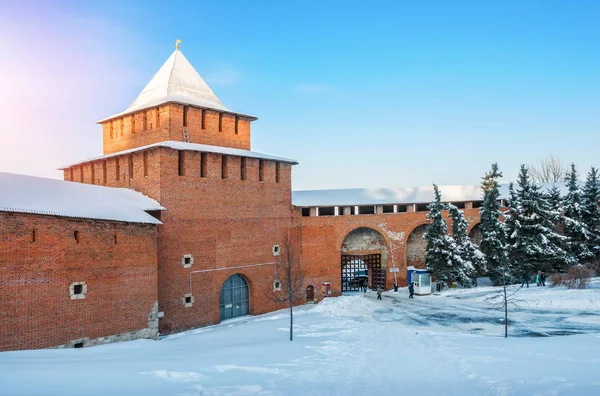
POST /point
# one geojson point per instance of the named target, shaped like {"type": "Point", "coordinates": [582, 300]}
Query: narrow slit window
{"type": "Point", "coordinates": [277, 172]}
{"type": "Point", "coordinates": [130, 165]}
{"type": "Point", "coordinates": [93, 173]}
{"type": "Point", "coordinates": [243, 168]}
{"type": "Point", "coordinates": [181, 163]}
{"type": "Point", "coordinates": [81, 173]}
{"type": "Point", "coordinates": [203, 164]}
{"type": "Point", "coordinates": [145, 157]}
{"type": "Point", "coordinates": [261, 170]}
{"type": "Point", "coordinates": [203, 119]}
{"type": "Point", "coordinates": [157, 115]}
{"type": "Point", "coordinates": [118, 169]}
{"type": "Point", "coordinates": [224, 160]}
{"type": "Point", "coordinates": [76, 236]}
{"type": "Point", "coordinates": [115, 238]}
{"type": "Point", "coordinates": [110, 127]}
{"type": "Point", "coordinates": [185, 116]}
{"type": "Point", "coordinates": [33, 235]}
{"type": "Point", "coordinates": [104, 172]}
{"type": "Point", "coordinates": [236, 124]}
{"type": "Point", "coordinates": [71, 172]}
{"type": "Point", "coordinates": [145, 120]}
{"type": "Point", "coordinates": [122, 126]}
{"type": "Point", "coordinates": [220, 122]}
{"type": "Point", "coordinates": [133, 123]}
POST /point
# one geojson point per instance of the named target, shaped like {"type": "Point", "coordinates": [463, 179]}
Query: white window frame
{"type": "Point", "coordinates": [81, 295]}
{"type": "Point", "coordinates": [186, 256]}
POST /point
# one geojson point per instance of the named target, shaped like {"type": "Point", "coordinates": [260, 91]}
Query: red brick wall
{"type": "Point", "coordinates": [223, 224]}
{"type": "Point", "coordinates": [37, 309]}
{"type": "Point", "coordinates": [322, 239]}
{"type": "Point", "coordinates": [147, 127]}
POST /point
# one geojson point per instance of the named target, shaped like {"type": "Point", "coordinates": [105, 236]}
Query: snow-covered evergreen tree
{"type": "Point", "coordinates": [442, 255]}
{"type": "Point", "coordinates": [473, 261]}
{"type": "Point", "coordinates": [574, 226]}
{"type": "Point", "coordinates": [493, 238]}
{"type": "Point", "coordinates": [590, 211]}
{"type": "Point", "coordinates": [533, 242]}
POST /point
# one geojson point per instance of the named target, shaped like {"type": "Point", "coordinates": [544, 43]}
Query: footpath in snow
{"type": "Point", "coordinates": [351, 345]}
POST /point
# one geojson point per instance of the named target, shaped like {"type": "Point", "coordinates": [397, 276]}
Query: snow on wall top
{"type": "Point", "coordinates": [38, 195]}
{"type": "Point", "coordinates": [399, 195]}
{"type": "Point", "coordinates": [190, 147]}
{"type": "Point", "coordinates": [176, 81]}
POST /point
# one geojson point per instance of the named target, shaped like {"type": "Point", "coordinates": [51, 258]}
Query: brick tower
{"type": "Point", "coordinates": [227, 207]}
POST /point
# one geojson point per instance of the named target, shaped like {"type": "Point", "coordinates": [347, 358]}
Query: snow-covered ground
{"type": "Point", "coordinates": [447, 344]}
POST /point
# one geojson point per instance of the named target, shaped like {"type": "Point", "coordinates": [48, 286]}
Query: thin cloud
{"type": "Point", "coordinates": [312, 88]}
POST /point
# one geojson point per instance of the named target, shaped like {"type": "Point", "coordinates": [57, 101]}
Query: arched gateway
{"type": "Point", "coordinates": [235, 298]}
{"type": "Point", "coordinates": [363, 260]}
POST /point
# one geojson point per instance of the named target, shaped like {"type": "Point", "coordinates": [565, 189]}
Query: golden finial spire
{"type": "Point", "coordinates": [177, 44]}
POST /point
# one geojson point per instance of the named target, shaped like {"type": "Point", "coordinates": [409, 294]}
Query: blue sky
{"type": "Point", "coordinates": [361, 94]}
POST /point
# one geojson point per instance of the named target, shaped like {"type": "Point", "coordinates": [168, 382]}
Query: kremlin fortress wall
{"type": "Point", "coordinates": [179, 225]}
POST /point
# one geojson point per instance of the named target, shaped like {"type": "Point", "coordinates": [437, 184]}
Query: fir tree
{"type": "Point", "coordinates": [493, 238]}
{"type": "Point", "coordinates": [533, 242]}
{"type": "Point", "coordinates": [473, 261]}
{"type": "Point", "coordinates": [574, 227]}
{"type": "Point", "coordinates": [442, 255]}
{"type": "Point", "coordinates": [590, 211]}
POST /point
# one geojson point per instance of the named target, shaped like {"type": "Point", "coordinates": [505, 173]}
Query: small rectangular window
{"type": "Point", "coordinates": [203, 121]}
{"type": "Point", "coordinates": [220, 122]}
{"type": "Point", "coordinates": [477, 204]}
{"type": "Point", "coordinates": [181, 163]}
{"type": "Point", "coordinates": [459, 205]}
{"type": "Point", "coordinates": [203, 164]}
{"type": "Point", "coordinates": [33, 235]}
{"type": "Point", "coordinates": [261, 170]}
{"type": "Point", "coordinates": [118, 168]}
{"type": "Point", "coordinates": [104, 172]}
{"type": "Point", "coordinates": [157, 115]}
{"type": "Point", "coordinates": [236, 124]}
{"type": "Point", "coordinates": [76, 236]}
{"type": "Point", "coordinates": [277, 172]}
{"type": "Point", "coordinates": [145, 157]}
{"type": "Point", "coordinates": [185, 116]}
{"type": "Point", "coordinates": [402, 209]}
{"type": "Point", "coordinates": [224, 160]}
{"type": "Point", "coordinates": [78, 344]}
{"type": "Point", "coordinates": [243, 168]}
{"type": "Point", "coordinates": [388, 208]}
{"type": "Point", "coordinates": [130, 165]}
{"type": "Point", "coordinates": [421, 207]}
{"type": "Point", "coordinates": [366, 209]}
{"type": "Point", "coordinates": [305, 212]}
{"type": "Point", "coordinates": [326, 210]}
{"type": "Point", "coordinates": [77, 289]}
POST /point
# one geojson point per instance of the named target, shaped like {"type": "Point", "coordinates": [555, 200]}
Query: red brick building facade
{"type": "Point", "coordinates": [228, 212]}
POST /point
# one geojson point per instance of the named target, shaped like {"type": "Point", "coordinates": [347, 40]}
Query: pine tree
{"type": "Point", "coordinates": [493, 238]}
{"type": "Point", "coordinates": [590, 211]}
{"type": "Point", "coordinates": [473, 261]}
{"type": "Point", "coordinates": [574, 227]}
{"type": "Point", "coordinates": [442, 255]}
{"type": "Point", "coordinates": [534, 244]}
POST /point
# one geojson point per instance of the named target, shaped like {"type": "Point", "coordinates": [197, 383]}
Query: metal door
{"type": "Point", "coordinates": [359, 271]}
{"type": "Point", "coordinates": [235, 298]}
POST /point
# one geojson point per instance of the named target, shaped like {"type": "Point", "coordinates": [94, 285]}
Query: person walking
{"type": "Point", "coordinates": [411, 289]}
{"type": "Point", "coordinates": [537, 279]}
{"type": "Point", "coordinates": [543, 278]}
{"type": "Point", "coordinates": [525, 280]}
{"type": "Point", "coordinates": [379, 291]}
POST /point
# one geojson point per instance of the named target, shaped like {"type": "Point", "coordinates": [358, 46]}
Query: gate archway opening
{"type": "Point", "coordinates": [363, 261]}
{"type": "Point", "coordinates": [234, 300]}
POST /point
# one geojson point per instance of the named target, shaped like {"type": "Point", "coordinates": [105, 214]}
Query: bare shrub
{"type": "Point", "coordinates": [558, 280]}
{"type": "Point", "coordinates": [578, 277]}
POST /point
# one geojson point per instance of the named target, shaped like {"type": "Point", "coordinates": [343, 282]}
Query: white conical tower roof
{"type": "Point", "coordinates": [176, 81]}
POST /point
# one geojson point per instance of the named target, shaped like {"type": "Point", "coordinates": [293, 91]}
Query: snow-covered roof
{"type": "Point", "coordinates": [191, 147]}
{"type": "Point", "coordinates": [176, 81]}
{"type": "Point", "coordinates": [38, 195]}
{"type": "Point", "coordinates": [399, 195]}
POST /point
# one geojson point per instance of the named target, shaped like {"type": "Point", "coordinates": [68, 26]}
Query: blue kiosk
{"type": "Point", "coordinates": [421, 279]}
